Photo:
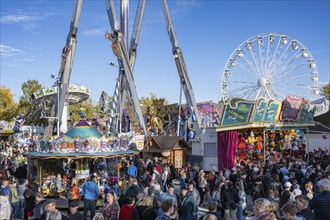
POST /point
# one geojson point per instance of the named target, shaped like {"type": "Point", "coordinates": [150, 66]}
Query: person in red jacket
{"type": "Point", "coordinates": [127, 211]}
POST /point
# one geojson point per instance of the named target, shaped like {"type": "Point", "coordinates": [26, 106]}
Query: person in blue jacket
{"type": "Point", "coordinates": [132, 170]}
{"type": "Point", "coordinates": [90, 191]}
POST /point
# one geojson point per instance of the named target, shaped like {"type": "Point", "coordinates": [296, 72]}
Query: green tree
{"type": "Point", "coordinates": [149, 101]}
{"type": "Point", "coordinates": [90, 110]}
{"type": "Point", "coordinates": [28, 88]}
{"type": "Point", "coordinates": [325, 90]}
{"type": "Point", "coordinates": [8, 107]}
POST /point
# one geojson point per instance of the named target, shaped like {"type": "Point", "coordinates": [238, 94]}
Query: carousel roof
{"type": "Point", "coordinates": [82, 130]}
{"type": "Point", "coordinates": [77, 155]}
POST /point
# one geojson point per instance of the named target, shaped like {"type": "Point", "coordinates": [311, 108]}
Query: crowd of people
{"type": "Point", "coordinates": [149, 189]}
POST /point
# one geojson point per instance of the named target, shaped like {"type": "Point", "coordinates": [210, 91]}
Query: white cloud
{"type": "Point", "coordinates": [8, 51]}
{"type": "Point", "coordinates": [94, 32]}
{"type": "Point", "coordinates": [20, 18]}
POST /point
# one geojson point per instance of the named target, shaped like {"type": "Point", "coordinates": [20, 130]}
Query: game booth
{"type": "Point", "coordinates": [82, 150]}
{"type": "Point", "coordinates": [263, 130]}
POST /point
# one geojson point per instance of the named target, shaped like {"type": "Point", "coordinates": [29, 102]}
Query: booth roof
{"type": "Point", "coordinates": [82, 130]}
{"type": "Point", "coordinates": [79, 154]}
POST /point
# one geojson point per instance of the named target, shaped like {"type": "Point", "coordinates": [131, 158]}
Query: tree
{"type": "Point", "coordinates": [8, 107]}
{"type": "Point", "coordinates": [28, 88]}
{"type": "Point", "coordinates": [149, 101]}
{"type": "Point", "coordinates": [90, 110]}
{"type": "Point", "coordinates": [325, 90]}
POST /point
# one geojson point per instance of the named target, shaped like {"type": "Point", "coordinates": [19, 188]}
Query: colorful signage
{"type": "Point", "coordinates": [290, 109]}
{"type": "Point", "coordinates": [237, 112]}
{"type": "Point", "coordinates": [272, 111]}
{"type": "Point", "coordinates": [260, 111]}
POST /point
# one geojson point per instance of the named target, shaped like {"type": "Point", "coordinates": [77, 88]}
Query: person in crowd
{"type": "Point", "coordinates": [128, 212]}
{"type": "Point", "coordinates": [264, 210]}
{"type": "Point", "coordinates": [309, 190]}
{"type": "Point", "coordinates": [5, 211]}
{"type": "Point", "coordinates": [5, 188]}
{"type": "Point", "coordinates": [74, 192]}
{"type": "Point", "coordinates": [188, 206]}
{"type": "Point", "coordinates": [211, 180]}
{"type": "Point", "coordinates": [182, 178]}
{"type": "Point", "coordinates": [170, 194]}
{"type": "Point", "coordinates": [52, 213]}
{"type": "Point", "coordinates": [156, 178]}
{"type": "Point", "coordinates": [134, 189]}
{"type": "Point", "coordinates": [90, 191]}
{"type": "Point", "coordinates": [110, 208]}
{"type": "Point", "coordinates": [302, 202]}
{"type": "Point", "coordinates": [146, 208]}
{"type": "Point", "coordinates": [22, 183]}
{"type": "Point", "coordinates": [290, 212]}
{"type": "Point", "coordinates": [132, 170]}
{"type": "Point", "coordinates": [14, 200]}
{"type": "Point", "coordinates": [39, 209]}
{"type": "Point", "coordinates": [30, 199]}
{"type": "Point", "coordinates": [275, 200]}
{"type": "Point", "coordinates": [202, 185]}
{"type": "Point", "coordinates": [229, 200]}
{"type": "Point", "coordinates": [165, 178]}
{"type": "Point", "coordinates": [286, 195]}
{"type": "Point", "coordinates": [167, 209]}
{"type": "Point", "coordinates": [33, 185]}
{"type": "Point", "coordinates": [74, 214]}
{"type": "Point", "coordinates": [320, 203]}
{"type": "Point", "coordinates": [195, 194]}
{"type": "Point", "coordinates": [212, 211]}
{"type": "Point", "coordinates": [241, 205]}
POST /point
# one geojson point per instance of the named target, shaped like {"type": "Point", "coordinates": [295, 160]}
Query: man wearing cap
{"type": "Point", "coordinates": [74, 214]}
{"type": "Point", "coordinates": [188, 206]}
{"type": "Point", "coordinates": [286, 195]}
{"type": "Point", "coordinates": [90, 191]}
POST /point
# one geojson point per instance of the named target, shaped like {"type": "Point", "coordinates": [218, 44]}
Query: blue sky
{"type": "Point", "coordinates": [33, 34]}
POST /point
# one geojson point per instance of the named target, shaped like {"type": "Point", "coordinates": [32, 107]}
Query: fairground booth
{"type": "Point", "coordinates": [85, 148]}
{"type": "Point", "coordinates": [263, 130]}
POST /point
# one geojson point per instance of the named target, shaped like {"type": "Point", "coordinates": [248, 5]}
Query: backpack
{"type": "Point", "coordinates": [68, 193]}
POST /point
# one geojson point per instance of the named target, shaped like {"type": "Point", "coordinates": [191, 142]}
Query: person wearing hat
{"type": "Point", "coordinates": [74, 214]}
{"type": "Point", "coordinates": [188, 206]}
{"type": "Point", "coordinates": [286, 195]}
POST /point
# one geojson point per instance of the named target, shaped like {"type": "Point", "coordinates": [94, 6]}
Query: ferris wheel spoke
{"type": "Point", "coordinates": [258, 93]}
{"type": "Point", "coordinates": [261, 60]}
{"type": "Point", "coordinates": [243, 82]}
{"type": "Point", "coordinates": [281, 78]}
{"type": "Point", "coordinates": [241, 88]}
{"type": "Point", "coordinates": [273, 92]}
{"type": "Point", "coordinates": [255, 59]}
{"type": "Point", "coordinates": [287, 63]}
{"type": "Point", "coordinates": [273, 55]}
{"type": "Point", "coordinates": [278, 60]}
{"type": "Point", "coordinates": [251, 65]}
{"type": "Point", "coordinates": [246, 69]}
{"type": "Point", "coordinates": [267, 92]}
{"type": "Point", "coordinates": [268, 52]}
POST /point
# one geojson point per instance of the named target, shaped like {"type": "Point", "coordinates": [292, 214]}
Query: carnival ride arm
{"type": "Point", "coordinates": [182, 70]}
{"type": "Point", "coordinates": [124, 59]}
{"type": "Point", "coordinates": [67, 60]}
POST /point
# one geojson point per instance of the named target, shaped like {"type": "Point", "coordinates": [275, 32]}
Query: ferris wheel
{"type": "Point", "coordinates": [270, 66]}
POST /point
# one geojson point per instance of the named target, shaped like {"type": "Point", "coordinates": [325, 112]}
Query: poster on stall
{"type": "Point", "coordinates": [290, 109]}
{"type": "Point", "coordinates": [139, 141]}
{"type": "Point", "coordinates": [260, 111]}
{"type": "Point", "coordinates": [237, 112]}
{"type": "Point", "coordinates": [272, 111]}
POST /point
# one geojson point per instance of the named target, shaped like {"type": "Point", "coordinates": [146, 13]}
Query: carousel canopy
{"type": "Point", "coordinates": [82, 130]}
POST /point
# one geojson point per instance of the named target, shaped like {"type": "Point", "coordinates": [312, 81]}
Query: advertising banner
{"type": "Point", "coordinates": [237, 112]}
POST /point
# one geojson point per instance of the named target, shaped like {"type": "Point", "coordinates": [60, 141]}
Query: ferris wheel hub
{"type": "Point", "coordinates": [262, 82]}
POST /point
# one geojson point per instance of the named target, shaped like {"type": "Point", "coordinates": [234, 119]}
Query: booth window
{"type": "Point", "coordinates": [210, 149]}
